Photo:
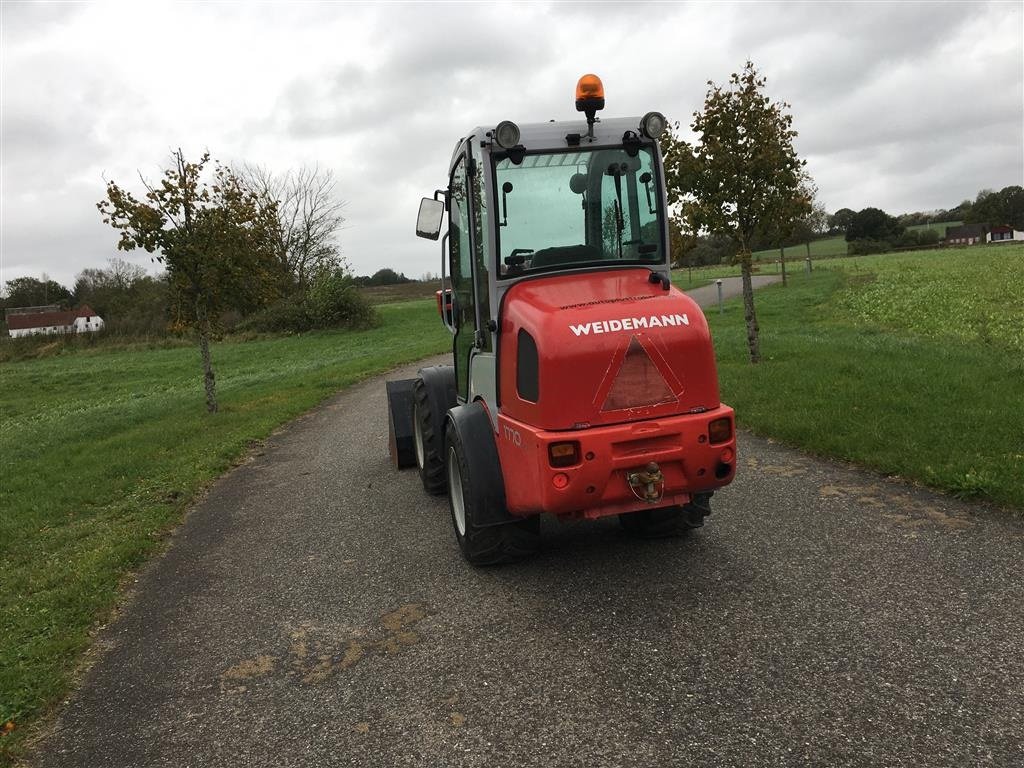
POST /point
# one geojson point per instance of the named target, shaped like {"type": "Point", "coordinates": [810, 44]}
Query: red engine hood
{"type": "Point", "coordinates": [610, 346]}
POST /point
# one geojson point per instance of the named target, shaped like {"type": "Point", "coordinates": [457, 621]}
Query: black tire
{"type": "Point", "coordinates": [468, 492]}
{"type": "Point", "coordinates": [666, 522]}
{"type": "Point", "coordinates": [432, 391]}
{"type": "Point", "coordinates": [428, 447]}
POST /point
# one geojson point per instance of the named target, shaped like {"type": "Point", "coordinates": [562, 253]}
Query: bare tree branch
{"type": "Point", "coordinates": [310, 215]}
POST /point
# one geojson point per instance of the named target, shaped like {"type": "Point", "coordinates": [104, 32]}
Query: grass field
{"type": "Point", "coordinates": [386, 294]}
{"type": "Point", "coordinates": [836, 246]}
{"type": "Point", "coordinates": [912, 364]}
{"type": "Point", "coordinates": [102, 451]}
{"type": "Point", "coordinates": [972, 296]}
{"type": "Point", "coordinates": [938, 226]}
{"type": "Point", "coordinates": [827, 246]}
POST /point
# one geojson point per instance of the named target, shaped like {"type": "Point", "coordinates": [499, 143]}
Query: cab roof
{"type": "Point", "coordinates": [551, 135]}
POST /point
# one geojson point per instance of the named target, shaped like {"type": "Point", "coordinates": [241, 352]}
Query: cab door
{"type": "Point", "coordinates": [461, 239]}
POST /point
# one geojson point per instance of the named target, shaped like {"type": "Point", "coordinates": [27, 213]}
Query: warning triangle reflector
{"type": "Point", "coordinates": [638, 383]}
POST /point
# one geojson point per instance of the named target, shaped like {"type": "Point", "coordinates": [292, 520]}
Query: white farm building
{"type": "Point", "coordinates": [28, 321]}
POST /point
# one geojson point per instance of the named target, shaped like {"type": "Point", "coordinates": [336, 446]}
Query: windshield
{"type": "Point", "coordinates": [574, 208]}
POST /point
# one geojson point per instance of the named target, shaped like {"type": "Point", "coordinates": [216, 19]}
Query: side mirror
{"type": "Point", "coordinates": [428, 222]}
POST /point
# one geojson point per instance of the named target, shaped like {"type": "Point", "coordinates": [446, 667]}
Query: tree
{"type": "Point", "coordinates": [334, 301]}
{"type": "Point", "coordinates": [840, 220]}
{"type": "Point", "coordinates": [216, 239]}
{"type": "Point", "coordinates": [1005, 207]}
{"type": "Point", "coordinates": [743, 175]}
{"type": "Point", "coordinates": [814, 222]}
{"type": "Point", "coordinates": [961, 212]}
{"type": "Point", "coordinates": [873, 224]}
{"type": "Point", "coordinates": [129, 301]}
{"type": "Point", "coordinates": [33, 292]}
{"type": "Point", "coordinates": [386, 276]}
{"type": "Point", "coordinates": [309, 216]}
{"type": "Point", "coordinates": [800, 221]}
{"type": "Point", "coordinates": [93, 286]}
{"type": "Point", "coordinates": [681, 241]}
{"type": "Point", "coordinates": [713, 249]}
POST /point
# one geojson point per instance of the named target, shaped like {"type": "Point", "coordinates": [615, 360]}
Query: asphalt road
{"type": "Point", "coordinates": [707, 295]}
{"type": "Point", "coordinates": [314, 610]}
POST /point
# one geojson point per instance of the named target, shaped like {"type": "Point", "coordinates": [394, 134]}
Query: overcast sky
{"type": "Point", "coordinates": [904, 106]}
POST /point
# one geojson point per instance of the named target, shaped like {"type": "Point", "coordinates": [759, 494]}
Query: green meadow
{"type": "Point", "coordinates": [911, 364]}
{"type": "Point", "coordinates": [103, 450]}
{"type": "Point", "coordinates": [836, 246]}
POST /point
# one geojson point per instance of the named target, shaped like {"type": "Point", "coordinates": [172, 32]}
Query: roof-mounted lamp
{"type": "Point", "coordinates": [653, 125]}
{"type": "Point", "coordinates": [590, 99]}
{"type": "Point", "coordinates": [506, 134]}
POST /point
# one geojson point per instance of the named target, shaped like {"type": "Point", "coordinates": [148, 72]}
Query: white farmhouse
{"type": "Point", "coordinates": [28, 322]}
{"type": "Point", "coordinates": [1004, 235]}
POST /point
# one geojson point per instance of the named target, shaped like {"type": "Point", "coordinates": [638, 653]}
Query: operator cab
{"type": "Point", "coordinates": [565, 195]}
{"type": "Point", "coordinates": [578, 207]}
{"type": "Point", "coordinates": [539, 200]}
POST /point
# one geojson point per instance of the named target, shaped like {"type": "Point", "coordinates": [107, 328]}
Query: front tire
{"type": "Point", "coordinates": [468, 494]}
{"type": "Point", "coordinates": [432, 396]}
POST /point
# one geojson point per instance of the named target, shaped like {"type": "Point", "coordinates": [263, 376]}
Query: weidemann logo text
{"type": "Point", "coordinates": [629, 324]}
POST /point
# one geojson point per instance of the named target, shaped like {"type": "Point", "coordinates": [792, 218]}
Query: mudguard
{"type": "Point", "coordinates": [400, 429]}
{"type": "Point", "coordinates": [473, 426]}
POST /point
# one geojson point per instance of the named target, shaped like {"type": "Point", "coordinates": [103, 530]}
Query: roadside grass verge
{"type": "Point", "coordinates": [902, 380]}
{"type": "Point", "coordinates": [102, 451]}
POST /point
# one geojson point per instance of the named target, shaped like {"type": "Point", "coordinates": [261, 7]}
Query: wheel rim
{"type": "Point", "coordinates": [418, 437]}
{"type": "Point", "coordinates": [455, 492]}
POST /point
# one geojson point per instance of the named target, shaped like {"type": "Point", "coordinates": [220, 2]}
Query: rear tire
{"type": "Point", "coordinates": [482, 545]}
{"type": "Point", "coordinates": [431, 393]}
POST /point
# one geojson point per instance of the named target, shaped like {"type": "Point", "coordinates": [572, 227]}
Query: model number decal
{"type": "Point", "coordinates": [512, 435]}
{"type": "Point", "coordinates": [629, 324]}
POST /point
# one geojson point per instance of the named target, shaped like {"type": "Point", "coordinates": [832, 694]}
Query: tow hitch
{"type": "Point", "coordinates": [648, 484]}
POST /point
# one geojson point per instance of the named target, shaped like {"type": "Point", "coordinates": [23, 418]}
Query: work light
{"type": "Point", "coordinates": [653, 125]}
{"type": "Point", "coordinates": [506, 134]}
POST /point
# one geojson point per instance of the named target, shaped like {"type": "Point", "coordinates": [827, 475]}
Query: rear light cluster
{"type": "Point", "coordinates": [720, 430]}
{"type": "Point", "coordinates": [564, 454]}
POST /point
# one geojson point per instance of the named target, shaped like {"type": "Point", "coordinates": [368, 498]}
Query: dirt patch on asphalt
{"type": "Point", "coordinates": [314, 655]}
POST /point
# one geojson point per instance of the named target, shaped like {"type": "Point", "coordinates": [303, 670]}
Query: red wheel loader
{"type": "Point", "coordinates": [583, 383]}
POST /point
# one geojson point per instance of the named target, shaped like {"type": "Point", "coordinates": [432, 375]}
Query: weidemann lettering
{"type": "Point", "coordinates": [629, 324]}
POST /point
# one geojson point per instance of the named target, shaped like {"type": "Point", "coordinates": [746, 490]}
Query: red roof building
{"type": "Point", "coordinates": [1005, 234]}
{"type": "Point", "coordinates": [83, 319]}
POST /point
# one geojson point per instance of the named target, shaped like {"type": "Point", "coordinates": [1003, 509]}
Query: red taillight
{"type": "Point", "coordinates": [564, 454]}
{"type": "Point", "coordinates": [720, 430]}
{"type": "Point", "coordinates": [444, 303]}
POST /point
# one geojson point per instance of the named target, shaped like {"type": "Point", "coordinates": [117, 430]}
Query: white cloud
{"type": "Point", "coordinates": [904, 106]}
